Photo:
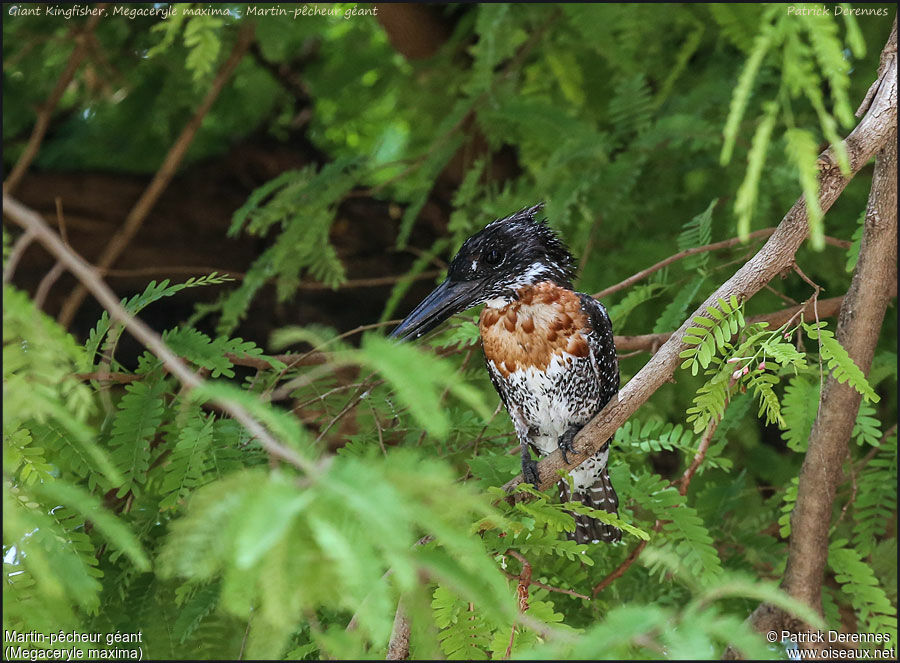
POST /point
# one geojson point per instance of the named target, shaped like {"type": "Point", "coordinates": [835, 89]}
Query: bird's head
{"type": "Point", "coordinates": [490, 267]}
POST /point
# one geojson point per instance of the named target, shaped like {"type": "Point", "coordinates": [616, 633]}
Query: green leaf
{"type": "Point", "coordinates": [114, 530]}
{"type": "Point", "coordinates": [265, 517]}
{"type": "Point", "coordinates": [140, 414]}
{"type": "Point", "coordinates": [741, 95]}
{"type": "Point", "coordinates": [745, 200]}
{"type": "Point", "coordinates": [418, 380]}
{"type": "Point", "coordinates": [802, 151]}
{"type": "Point", "coordinates": [800, 405]}
{"type": "Point", "coordinates": [843, 368]}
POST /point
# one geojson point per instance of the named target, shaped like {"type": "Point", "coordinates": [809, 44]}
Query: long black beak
{"type": "Point", "coordinates": [448, 298]}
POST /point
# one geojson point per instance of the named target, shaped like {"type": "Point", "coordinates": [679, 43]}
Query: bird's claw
{"type": "Point", "coordinates": [530, 472]}
{"type": "Point", "coordinates": [566, 445]}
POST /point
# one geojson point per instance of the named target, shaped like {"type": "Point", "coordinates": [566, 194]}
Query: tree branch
{"type": "Point", "coordinates": [644, 342]}
{"type": "Point", "coordinates": [858, 329]}
{"type": "Point", "coordinates": [715, 246]}
{"type": "Point", "coordinates": [46, 111]}
{"type": "Point", "coordinates": [650, 342]}
{"type": "Point", "coordinates": [398, 646]}
{"type": "Point", "coordinates": [32, 223]}
{"type": "Point", "coordinates": [702, 448]}
{"type": "Point", "coordinates": [682, 489]}
{"type": "Point", "coordinates": [776, 255]}
{"type": "Point", "coordinates": [620, 570]}
{"type": "Point", "coordinates": [135, 219]}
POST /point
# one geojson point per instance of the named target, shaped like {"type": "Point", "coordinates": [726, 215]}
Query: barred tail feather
{"type": "Point", "coordinates": [601, 496]}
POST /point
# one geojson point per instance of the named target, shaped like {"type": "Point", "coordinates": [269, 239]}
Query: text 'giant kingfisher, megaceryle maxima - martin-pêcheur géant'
{"type": "Point", "coordinates": [549, 350]}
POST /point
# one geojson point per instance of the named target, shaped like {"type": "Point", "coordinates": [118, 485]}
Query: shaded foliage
{"type": "Point", "coordinates": [140, 508]}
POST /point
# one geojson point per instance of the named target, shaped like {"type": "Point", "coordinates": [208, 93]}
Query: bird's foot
{"type": "Point", "coordinates": [566, 442]}
{"type": "Point", "coordinates": [530, 472]}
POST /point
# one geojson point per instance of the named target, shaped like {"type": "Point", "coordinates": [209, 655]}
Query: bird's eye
{"type": "Point", "coordinates": [492, 257]}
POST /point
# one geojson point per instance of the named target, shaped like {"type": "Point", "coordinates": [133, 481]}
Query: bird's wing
{"type": "Point", "coordinates": [603, 348]}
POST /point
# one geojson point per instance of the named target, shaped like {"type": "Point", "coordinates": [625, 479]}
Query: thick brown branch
{"type": "Point", "coordinates": [858, 329]}
{"type": "Point", "coordinates": [119, 242]}
{"type": "Point", "coordinates": [776, 255]}
{"type": "Point", "coordinates": [46, 111]}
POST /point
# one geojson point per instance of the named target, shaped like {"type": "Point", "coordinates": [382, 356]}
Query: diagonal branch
{"type": "Point", "coordinates": [32, 223]}
{"type": "Point", "coordinates": [135, 219]}
{"type": "Point", "coordinates": [776, 255]}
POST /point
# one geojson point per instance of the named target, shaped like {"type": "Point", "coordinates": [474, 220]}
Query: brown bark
{"type": "Point", "coordinates": [413, 29]}
{"type": "Point", "coordinates": [398, 647]}
{"type": "Point", "coordinates": [859, 326]}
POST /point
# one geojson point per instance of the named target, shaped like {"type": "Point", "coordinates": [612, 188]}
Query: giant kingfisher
{"type": "Point", "coordinates": [549, 350]}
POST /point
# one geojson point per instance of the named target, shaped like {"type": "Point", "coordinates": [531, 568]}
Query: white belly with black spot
{"type": "Point", "coordinates": [545, 404]}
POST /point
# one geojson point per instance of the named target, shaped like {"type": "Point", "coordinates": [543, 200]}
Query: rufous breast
{"type": "Point", "coordinates": [544, 321]}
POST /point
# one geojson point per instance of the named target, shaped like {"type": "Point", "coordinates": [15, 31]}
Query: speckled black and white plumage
{"type": "Point", "coordinates": [545, 404]}
{"type": "Point", "coordinates": [549, 350]}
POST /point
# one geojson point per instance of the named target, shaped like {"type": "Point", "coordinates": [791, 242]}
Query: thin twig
{"type": "Point", "coordinates": [512, 639]}
{"type": "Point", "coordinates": [624, 566]}
{"type": "Point", "coordinates": [378, 428]}
{"type": "Point", "coordinates": [50, 277]}
{"type": "Point", "coordinates": [715, 246]}
{"type": "Point", "coordinates": [874, 450]}
{"type": "Point", "coordinates": [434, 260]}
{"type": "Point", "coordinates": [107, 376]}
{"type": "Point", "coordinates": [550, 588]}
{"type": "Point", "coordinates": [15, 254]}
{"type": "Point", "coordinates": [349, 284]}
{"type": "Point", "coordinates": [699, 455]}
{"type": "Point", "coordinates": [330, 392]}
{"type": "Point", "coordinates": [355, 400]}
{"type": "Point", "coordinates": [46, 110]}
{"type": "Point", "coordinates": [135, 219]}
{"type": "Point", "coordinates": [61, 220]}
{"type": "Point", "coordinates": [524, 581]}
{"type": "Point", "coordinates": [783, 297]}
{"type": "Point", "coordinates": [485, 427]}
